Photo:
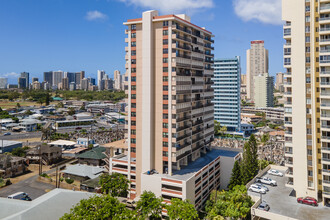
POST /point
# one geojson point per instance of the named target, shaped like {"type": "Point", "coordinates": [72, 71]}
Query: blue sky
{"type": "Point", "coordinates": [74, 35]}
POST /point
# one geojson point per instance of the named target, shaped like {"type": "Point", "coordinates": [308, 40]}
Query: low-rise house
{"type": "Point", "coordinates": [49, 154]}
{"type": "Point", "coordinates": [85, 142]}
{"type": "Point", "coordinates": [28, 126]}
{"type": "Point", "coordinates": [91, 185]}
{"type": "Point", "coordinates": [82, 172]}
{"type": "Point", "coordinates": [11, 166]}
{"type": "Point", "coordinates": [74, 152]}
{"type": "Point", "coordinates": [64, 144]}
{"type": "Point", "coordinates": [8, 146]}
{"type": "Point", "coordinates": [93, 157]}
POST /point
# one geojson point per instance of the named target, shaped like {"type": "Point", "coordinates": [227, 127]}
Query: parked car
{"type": "Point", "coordinates": [257, 189]}
{"type": "Point", "coordinates": [78, 128]}
{"type": "Point", "coordinates": [307, 200]}
{"type": "Point", "coordinates": [266, 180]}
{"type": "Point", "coordinates": [264, 206]}
{"type": "Point", "coordinates": [20, 196]}
{"type": "Point", "coordinates": [6, 134]}
{"type": "Point", "coordinates": [274, 172]}
{"type": "Point", "coordinates": [262, 186]}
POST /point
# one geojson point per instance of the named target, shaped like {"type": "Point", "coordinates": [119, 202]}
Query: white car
{"type": "Point", "coordinates": [275, 172]}
{"type": "Point", "coordinates": [257, 189]}
{"type": "Point", "coordinates": [266, 180]}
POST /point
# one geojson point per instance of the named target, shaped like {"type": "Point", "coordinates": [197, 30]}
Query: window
{"type": "Point", "coordinates": [309, 152]}
{"type": "Point", "coordinates": [133, 96]}
{"type": "Point", "coordinates": [165, 60]}
{"type": "Point", "coordinates": [133, 114]}
{"type": "Point", "coordinates": [310, 173]}
{"type": "Point", "coordinates": [165, 32]}
{"type": "Point", "coordinates": [133, 52]}
{"type": "Point", "coordinates": [133, 140]}
{"type": "Point", "coordinates": [165, 144]}
{"type": "Point", "coordinates": [308, 59]}
{"type": "Point", "coordinates": [133, 61]}
{"type": "Point", "coordinates": [133, 149]}
{"type": "Point", "coordinates": [165, 51]}
{"type": "Point", "coordinates": [165, 78]}
{"type": "Point", "coordinates": [133, 79]}
{"type": "Point", "coordinates": [165, 97]}
{"type": "Point", "coordinates": [165, 125]}
{"type": "Point", "coordinates": [133, 123]}
{"type": "Point", "coordinates": [133, 43]}
{"type": "Point", "coordinates": [165, 106]}
{"type": "Point", "coordinates": [165, 88]}
{"type": "Point", "coordinates": [133, 105]}
{"type": "Point", "coordinates": [133, 35]}
{"type": "Point", "coordinates": [133, 70]}
{"type": "Point", "coordinates": [133, 27]}
{"type": "Point", "coordinates": [308, 39]}
{"type": "Point", "coordinates": [308, 29]}
{"type": "Point", "coordinates": [165, 135]}
{"type": "Point", "coordinates": [308, 18]}
{"type": "Point", "coordinates": [165, 69]}
{"type": "Point", "coordinates": [165, 23]}
{"type": "Point", "coordinates": [165, 41]}
{"type": "Point", "coordinates": [165, 154]}
{"type": "Point", "coordinates": [133, 87]}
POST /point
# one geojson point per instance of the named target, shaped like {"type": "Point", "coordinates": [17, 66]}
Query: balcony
{"type": "Point", "coordinates": [325, 72]}
{"type": "Point", "coordinates": [323, 29]}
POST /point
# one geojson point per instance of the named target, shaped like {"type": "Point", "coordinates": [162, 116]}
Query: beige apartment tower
{"type": "Point", "coordinates": [118, 80]}
{"type": "Point", "coordinates": [170, 118]}
{"type": "Point", "coordinates": [264, 91]}
{"type": "Point", "coordinates": [307, 93]}
{"type": "Point", "coordinates": [256, 64]}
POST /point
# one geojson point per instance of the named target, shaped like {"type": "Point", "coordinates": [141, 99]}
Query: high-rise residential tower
{"type": "Point", "coordinates": [22, 82]}
{"type": "Point", "coordinates": [170, 114]}
{"type": "Point", "coordinates": [117, 80]}
{"type": "Point", "coordinates": [57, 77]}
{"type": "Point", "coordinates": [264, 91]}
{"type": "Point", "coordinates": [307, 112]}
{"type": "Point", "coordinates": [100, 77]}
{"type": "Point", "coordinates": [3, 82]}
{"type": "Point", "coordinates": [78, 77]}
{"type": "Point", "coordinates": [256, 64]}
{"type": "Point", "coordinates": [279, 83]}
{"type": "Point", "coordinates": [71, 76]}
{"type": "Point", "coordinates": [227, 98]}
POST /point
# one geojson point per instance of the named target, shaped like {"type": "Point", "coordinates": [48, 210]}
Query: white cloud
{"type": "Point", "coordinates": [95, 15]}
{"type": "Point", "coordinates": [265, 11]}
{"type": "Point", "coordinates": [10, 75]}
{"type": "Point", "coordinates": [172, 6]}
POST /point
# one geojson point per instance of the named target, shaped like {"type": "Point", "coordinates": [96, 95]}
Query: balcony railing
{"type": "Point", "coordinates": [325, 72]}
{"type": "Point", "coordinates": [325, 29]}
{"type": "Point", "coordinates": [325, 40]}
{"type": "Point", "coordinates": [326, 159]}
{"type": "Point", "coordinates": [325, 7]}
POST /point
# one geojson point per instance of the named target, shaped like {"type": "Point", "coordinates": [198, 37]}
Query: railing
{"type": "Point", "coordinates": [325, 137]}
{"type": "Point", "coordinates": [288, 122]}
{"type": "Point", "coordinates": [325, 7]}
{"type": "Point", "coordinates": [325, 148]}
{"type": "Point", "coordinates": [326, 170]}
{"type": "Point", "coordinates": [324, 18]}
{"type": "Point", "coordinates": [325, 72]}
{"type": "Point", "coordinates": [288, 162]}
{"type": "Point", "coordinates": [324, 40]}
{"type": "Point", "coordinates": [324, 50]}
{"type": "Point", "coordinates": [325, 29]}
{"type": "Point", "coordinates": [325, 94]}
{"type": "Point", "coordinates": [326, 159]}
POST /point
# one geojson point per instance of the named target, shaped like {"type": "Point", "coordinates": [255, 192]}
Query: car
{"type": "Point", "coordinates": [20, 196]}
{"type": "Point", "coordinates": [266, 180]}
{"type": "Point", "coordinates": [275, 172]}
{"type": "Point", "coordinates": [262, 186]}
{"type": "Point", "coordinates": [6, 134]}
{"type": "Point", "coordinates": [264, 206]}
{"type": "Point", "coordinates": [257, 189]}
{"type": "Point", "coordinates": [78, 128]}
{"type": "Point", "coordinates": [307, 200]}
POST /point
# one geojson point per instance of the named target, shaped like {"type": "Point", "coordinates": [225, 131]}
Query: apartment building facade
{"type": "Point", "coordinates": [263, 91]}
{"type": "Point", "coordinates": [307, 60]}
{"type": "Point", "coordinates": [227, 97]}
{"type": "Point", "coordinates": [170, 113]}
{"type": "Point", "coordinates": [256, 64]}
{"type": "Point", "coordinates": [117, 80]}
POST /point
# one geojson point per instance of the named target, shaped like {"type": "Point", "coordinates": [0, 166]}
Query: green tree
{"type": "Point", "coordinates": [149, 206]}
{"type": "Point", "coordinates": [115, 184]}
{"type": "Point", "coordinates": [20, 151]}
{"type": "Point", "coordinates": [233, 204]}
{"type": "Point", "coordinates": [99, 207]}
{"type": "Point", "coordinates": [179, 209]}
{"type": "Point", "coordinates": [18, 105]}
{"type": "Point", "coordinates": [249, 166]}
{"type": "Point", "coordinates": [265, 138]}
{"type": "Point", "coordinates": [262, 164]}
{"type": "Point", "coordinates": [235, 176]}
{"type": "Point", "coordinates": [71, 111]}
{"type": "Point", "coordinates": [60, 105]}
{"type": "Point", "coordinates": [217, 127]}
{"type": "Point", "coordinates": [223, 130]}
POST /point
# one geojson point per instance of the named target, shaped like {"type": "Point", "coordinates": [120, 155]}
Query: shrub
{"type": "Point", "coordinates": [8, 182]}
{"type": "Point", "coordinates": [61, 179]}
{"type": "Point", "coordinates": [44, 175]}
{"type": "Point", "coordinates": [69, 181]}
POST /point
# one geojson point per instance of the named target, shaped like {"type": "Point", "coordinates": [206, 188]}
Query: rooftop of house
{"type": "Point", "coordinates": [95, 153]}
{"type": "Point", "coordinates": [83, 170]}
{"type": "Point", "coordinates": [44, 149]}
{"type": "Point", "coordinates": [5, 143]}
{"type": "Point", "coordinates": [62, 142]}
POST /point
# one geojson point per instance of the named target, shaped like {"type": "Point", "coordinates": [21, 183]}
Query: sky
{"type": "Point", "coordinates": [74, 35]}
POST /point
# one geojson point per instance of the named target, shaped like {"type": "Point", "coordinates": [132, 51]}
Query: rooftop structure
{"type": "Point", "coordinates": [83, 171]}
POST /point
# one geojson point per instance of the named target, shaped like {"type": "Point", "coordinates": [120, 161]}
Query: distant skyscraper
{"type": "Point", "coordinates": [227, 101]}
{"type": "Point", "coordinates": [72, 86]}
{"type": "Point", "coordinates": [279, 84]}
{"type": "Point", "coordinates": [100, 77]}
{"type": "Point", "coordinates": [36, 85]}
{"type": "Point", "coordinates": [57, 77]}
{"type": "Point", "coordinates": [118, 80]}
{"type": "Point", "coordinates": [65, 83]}
{"type": "Point", "coordinates": [264, 91]}
{"type": "Point", "coordinates": [70, 76]}
{"type": "Point", "coordinates": [22, 82]}
{"type": "Point", "coordinates": [79, 76]}
{"type": "Point", "coordinates": [48, 77]}
{"type": "Point", "coordinates": [84, 84]}
{"type": "Point", "coordinates": [3, 83]}
{"type": "Point", "coordinates": [108, 84]}
{"type": "Point", "coordinates": [26, 75]}
{"type": "Point", "coordinates": [256, 64]}
{"type": "Point", "coordinates": [91, 81]}
{"type": "Point", "coordinates": [122, 82]}
{"type": "Point", "coordinates": [35, 79]}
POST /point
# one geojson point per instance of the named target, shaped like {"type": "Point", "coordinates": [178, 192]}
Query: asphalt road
{"type": "Point", "coordinates": [30, 186]}
{"type": "Point", "coordinates": [16, 136]}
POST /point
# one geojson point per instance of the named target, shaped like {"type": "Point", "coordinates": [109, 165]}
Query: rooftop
{"type": "Point", "coordinates": [121, 144]}
{"type": "Point", "coordinates": [5, 143]}
{"type": "Point", "coordinates": [62, 142]}
{"type": "Point", "coordinates": [95, 153]}
{"type": "Point", "coordinates": [288, 206]}
{"type": "Point", "coordinates": [50, 206]}
{"type": "Point", "coordinates": [83, 170]}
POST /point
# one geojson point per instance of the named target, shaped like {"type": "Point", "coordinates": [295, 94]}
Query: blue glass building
{"type": "Point", "coordinates": [227, 97]}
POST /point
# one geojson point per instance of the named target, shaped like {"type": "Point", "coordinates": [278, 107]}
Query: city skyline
{"type": "Point", "coordinates": [89, 36]}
